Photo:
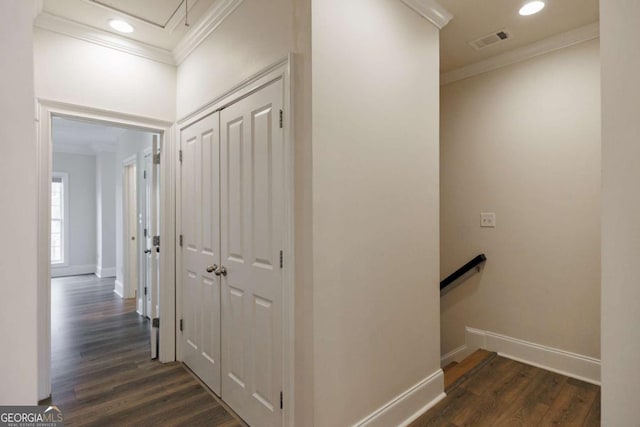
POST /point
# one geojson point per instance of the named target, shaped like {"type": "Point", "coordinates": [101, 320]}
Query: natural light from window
{"type": "Point", "coordinates": [57, 220]}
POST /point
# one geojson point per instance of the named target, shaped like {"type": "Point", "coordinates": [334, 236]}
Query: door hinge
{"type": "Point", "coordinates": [155, 322]}
{"type": "Point", "coordinates": [181, 240]}
{"type": "Point", "coordinates": [181, 326]}
{"type": "Point", "coordinates": [144, 174]}
{"type": "Point", "coordinates": [145, 290]}
{"type": "Point", "coordinates": [180, 156]}
{"type": "Point", "coordinates": [145, 232]}
{"type": "Point", "coordinates": [281, 401]}
{"type": "Point", "coordinates": [156, 159]}
{"type": "Point", "coordinates": [281, 259]}
{"type": "Point", "coordinates": [156, 240]}
{"type": "Point", "coordinates": [281, 119]}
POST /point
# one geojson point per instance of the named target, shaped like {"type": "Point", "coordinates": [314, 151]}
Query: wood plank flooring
{"type": "Point", "coordinates": [102, 374]}
{"type": "Point", "coordinates": [507, 393]}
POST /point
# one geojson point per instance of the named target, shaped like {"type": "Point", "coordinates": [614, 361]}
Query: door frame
{"type": "Point", "coordinates": [45, 111]}
{"type": "Point", "coordinates": [281, 70]}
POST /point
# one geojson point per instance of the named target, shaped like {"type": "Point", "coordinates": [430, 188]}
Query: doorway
{"type": "Point", "coordinates": [158, 133]}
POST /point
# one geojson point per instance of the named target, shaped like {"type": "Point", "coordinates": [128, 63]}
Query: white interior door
{"type": "Point", "coordinates": [131, 221]}
{"type": "Point", "coordinates": [252, 212]}
{"type": "Point", "coordinates": [200, 249]}
{"type": "Point", "coordinates": [153, 290]}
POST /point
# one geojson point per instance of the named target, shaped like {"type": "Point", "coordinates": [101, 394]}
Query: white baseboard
{"type": "Point", "coordinates": [415, 401]}
{"type": "Point", "coordinates": [105, 272]}
{"type": "Point", "coordinates": [455, 355]}
{"type": "Point", "coordinates": [119, 289]}
{"type": "Point", "coordinates": [573, 365]}
{"type": "Point", "coordinates": [72, 270]}
{"type": "Point", "coordinates": [139, 306]}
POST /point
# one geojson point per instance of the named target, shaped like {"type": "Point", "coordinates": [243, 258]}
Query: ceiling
{"type": "Point", "coordinates": [82, 137]}
{"type": "Point", "coordinates": [159, 23]}
{"type": "Point", "coordinates": [473, 19]}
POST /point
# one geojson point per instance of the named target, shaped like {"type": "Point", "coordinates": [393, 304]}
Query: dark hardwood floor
{"type": "Point", "coordinates": [102, 373]}
{"type": "Point", "coordinates": [507, 393]}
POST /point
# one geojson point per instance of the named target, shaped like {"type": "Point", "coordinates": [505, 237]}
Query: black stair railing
{"type": "Point", "coordinates": [462, 271]}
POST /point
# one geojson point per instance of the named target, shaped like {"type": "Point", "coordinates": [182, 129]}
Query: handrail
{"type": "Point", "coordinates": [462, 270]}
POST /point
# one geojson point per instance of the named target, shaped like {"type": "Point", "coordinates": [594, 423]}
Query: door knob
{"type": "Point", "coordinates": [147, 251]}
{"type": "Point", "coordinates": [221, 271]}
{"type": "Point", "coordinates": [213, 268]}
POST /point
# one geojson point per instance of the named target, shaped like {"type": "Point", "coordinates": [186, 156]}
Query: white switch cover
{"type": "Point", "coordinates": [487, 219]}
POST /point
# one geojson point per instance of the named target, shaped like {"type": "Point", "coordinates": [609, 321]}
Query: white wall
{"type": "Point", "coordinates": [130, 143]}
{"type": "Point", "coordinates": [524, 142]}
{"type": "Point", "coordinates": [18, 269]}
{"type": "Point", "coordinates": [106, 214]}
{"type": "Point", "coordinates": [77, 72]}
{"type": "Point", "coordinates": [620, 211]}
{"type": "Point", "coordinates": [375, 207]}
{"type": "Point", "coordinates": [251, 38]}
{"type": "Point", "coordinates": [81, 218]}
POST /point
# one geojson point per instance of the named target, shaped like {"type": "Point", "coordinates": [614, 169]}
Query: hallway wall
{"type": "Point", "coordinates": [620, 212]}
{"type": "Point", "coordinates": [106, 214]}
{"type": "Point", "coordinates": [77, 72]}
{"type": "Point", "coordinates": [524, 142]}
{"type": "Point", "coordinates": [375, 211]}
{"type": "Point", "coordinates": [18, 269]}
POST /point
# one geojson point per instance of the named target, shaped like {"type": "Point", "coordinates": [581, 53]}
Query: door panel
{"type": "Point", "coordinates": [153, 290]}
{"type": "Point", "coordinates": [201, 242]}
{"type": "Point", "coordinates": [251, 147]}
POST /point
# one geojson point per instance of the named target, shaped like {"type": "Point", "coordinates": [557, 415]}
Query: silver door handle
{"type": "Point", "coordinates": [221, 271]}
{"type": "Point", "coordinates": [213, 268]}
{"type": "Point", "coordinates": [147, 251]}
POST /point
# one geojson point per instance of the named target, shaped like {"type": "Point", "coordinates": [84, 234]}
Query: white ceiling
{"type": "Point", "coordinates": [158, 23]}
{"type": "Point", "coordinates": [81, 137]}
{"type": "Point", "coordinates": [476, 18]}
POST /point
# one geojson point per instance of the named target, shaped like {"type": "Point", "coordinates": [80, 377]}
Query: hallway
{"type": "Point", "coordinates": [101, 368]}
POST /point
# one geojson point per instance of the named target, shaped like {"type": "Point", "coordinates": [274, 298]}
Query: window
{"type": "Point", "coordinates": [58, 214]}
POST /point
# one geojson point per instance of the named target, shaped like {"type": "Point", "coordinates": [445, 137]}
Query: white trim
{"type": "Point", "coordinates": [431, 10]}
{"type": "Point", "coordinates": [119, 289]}
{"type": "Point", "coordinates": [102, 272]}
{"type": "Point", "coordinates": [242, 89]}
{"type": "Point", "coordinates": [559, 41]}
{"type": "Point", "coordinates": [57, 24]}
{"type": "Point", "coordinates": [72, 270]}
{"type": "Point", "coordinates": [573, 365]}
{"type": "Point", "coordinates": [417, 400]}
{"type": "Point", "coordinates": [209, 22]}
{"type": "Point", "coordinates": [45, 110]}
{"type": "Point", "coordinates": [282, 69]}
{"type": "Point", "coordinates": [455, 355]}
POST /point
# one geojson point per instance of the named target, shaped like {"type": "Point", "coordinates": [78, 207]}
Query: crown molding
{"type": "Point", "coordinates": [209, 22]}
{"type": "Point", "coordinates": [431, 10]}
{"type": "Point", "coordinates": [56, 24]}
{"type": "Point", "coordinates": [550, 44]}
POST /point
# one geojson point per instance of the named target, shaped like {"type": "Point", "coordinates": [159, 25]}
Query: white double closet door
{"type": "Point", "coordinates": [232, 227]}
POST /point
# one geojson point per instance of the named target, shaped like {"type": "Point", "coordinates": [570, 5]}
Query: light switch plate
{"type": "Point", "coordinates": [488, 219]}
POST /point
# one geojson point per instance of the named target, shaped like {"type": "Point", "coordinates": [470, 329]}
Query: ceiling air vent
{"type": "Point", "coordinates": [490, 39]}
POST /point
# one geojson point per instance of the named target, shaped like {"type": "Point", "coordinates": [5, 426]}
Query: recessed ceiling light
{"type": "Point", "coordinates": [121, 26]}
{"type": "Point", "coordinates": [531, 8]}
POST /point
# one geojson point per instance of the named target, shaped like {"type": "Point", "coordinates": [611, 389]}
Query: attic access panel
{"type": "Point", "coordinates": [154, 12]}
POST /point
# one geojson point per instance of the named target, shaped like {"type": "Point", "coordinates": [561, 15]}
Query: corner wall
{"type": "Point", "coordinates": [524, 142]}
{"type": "Point", "coordinates": [620, 211]}
{"type": "Point", "coordinates": [375, 211]}
{"type": "Point", "coordinates": [18, 170]}
{"type": "Point", "coordinates": [106, 214]}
